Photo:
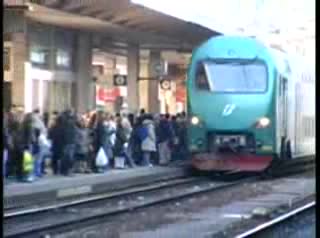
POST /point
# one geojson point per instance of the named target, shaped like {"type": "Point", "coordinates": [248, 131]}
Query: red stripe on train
{"type": "Point", "coordinates": [234, 162]}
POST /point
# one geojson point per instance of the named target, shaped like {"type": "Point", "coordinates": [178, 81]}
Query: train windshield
{"type": "Point", "coordinates": [239, 77]}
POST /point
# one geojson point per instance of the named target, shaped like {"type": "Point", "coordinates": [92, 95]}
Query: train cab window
{"type": "Point", "coordinates": [202, 82]}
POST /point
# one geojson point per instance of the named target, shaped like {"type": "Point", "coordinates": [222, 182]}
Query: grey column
{"type": "Point", "coordinates": [153, 84]}
{"type": "Point", "coordinates": [84, 84]}
{"type": "Point", "coordinates": [133, 75]}
{"type": "Point", "coordinates": [20, 56]}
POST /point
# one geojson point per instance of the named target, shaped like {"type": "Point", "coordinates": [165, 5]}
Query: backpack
{"type": "Point", "coordinates": [143, 133]}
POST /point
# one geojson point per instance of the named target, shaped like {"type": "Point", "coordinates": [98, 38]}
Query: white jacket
{"type": "Point", "coordinates": [113, 125]}
{"type": "Point", "coordinates": [149, 143]}
{"type": "Point", "coordinates": [38, 123]}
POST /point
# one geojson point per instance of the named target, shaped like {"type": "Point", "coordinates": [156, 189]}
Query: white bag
{"type": "Point", "coordinates": [102, 160]}
{"type": "Point", "coordinates": [119, 162]}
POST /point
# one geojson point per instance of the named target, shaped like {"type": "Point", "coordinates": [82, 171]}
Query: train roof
{"type": "Point", "coordinates": [288, 63]}
{"type": "Point", "coordinates": [284, 62]}
{"type": "Point", "coordinates": [281, 60]}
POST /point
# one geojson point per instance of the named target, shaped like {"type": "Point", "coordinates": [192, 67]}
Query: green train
{"type": "Point", "coordinates": [248, 105]}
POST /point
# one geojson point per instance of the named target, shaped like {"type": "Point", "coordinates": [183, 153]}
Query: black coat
{"type": "Point", "coordinates": [121, 139]}
{"type": "Point", "coordinates": [69, 132]}
{"type": "Point", "coordinates": [56, 135]}
{"type": "Point", "coordinates": [164, 131]}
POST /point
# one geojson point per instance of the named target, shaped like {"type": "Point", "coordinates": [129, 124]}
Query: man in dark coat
{"type": "Point", "coordinates": [165, 134]}
{"type": "Point", "coordinates": [56, 135]}
{"type": "Point", "coordinates": [69, 141]}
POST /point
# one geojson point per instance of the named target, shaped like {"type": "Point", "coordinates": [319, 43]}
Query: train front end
{"type": "Point", "coordinates": [231, 106]}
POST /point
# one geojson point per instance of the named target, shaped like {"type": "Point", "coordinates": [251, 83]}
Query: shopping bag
{"type": "Point", "coordinates": [101, 159]}
{"type": "Point", "coordinates": [119, 162]}
{"type": "Point", "coordinates": [27, 162]}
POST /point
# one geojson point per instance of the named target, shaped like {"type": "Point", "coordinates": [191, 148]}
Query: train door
{"type": "Point", "coordinates": [284, 107]}
{"type": "Point", "coordinates": [283, 115]}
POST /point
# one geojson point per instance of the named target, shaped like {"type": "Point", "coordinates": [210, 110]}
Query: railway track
{"type": "Point", "coordinates": [70, 214]}
{"type": "Point", "coordinates": [43, 221]}
{"type": "Point", "coordinates": [280, 220]}
{"type": "Point", "coordinates": [281, 168]}
{"type": "Point", "coordinates": [15, 212]}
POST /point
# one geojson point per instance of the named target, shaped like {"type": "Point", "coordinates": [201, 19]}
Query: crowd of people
{"type": "Point", "coordinates": [69, 143]}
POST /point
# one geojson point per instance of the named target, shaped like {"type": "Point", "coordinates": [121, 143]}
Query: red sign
{"type": "Point", "coordinates": [110, 95]}
{"type": "Point", "coordinates": [181, 94]}
{"type": "Point", "coordinates": [107, 95]}
{"type": "Point", "coordinates": [100, 94]}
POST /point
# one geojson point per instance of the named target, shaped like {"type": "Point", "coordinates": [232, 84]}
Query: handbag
{"type": "Point", "coordinates": [101, 159]}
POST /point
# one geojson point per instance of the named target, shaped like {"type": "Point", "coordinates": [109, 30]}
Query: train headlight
{"type": "Point", "coordinates": [263, 122]}
{"type": "Point", "coordinates": [195, 120]}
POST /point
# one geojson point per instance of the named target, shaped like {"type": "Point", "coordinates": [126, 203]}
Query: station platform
{"type": "Point", "coordinates": [54, 188]}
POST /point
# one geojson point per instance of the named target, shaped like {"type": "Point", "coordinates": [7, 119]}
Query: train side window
{"type": "Point", "coordinates": [201, 78]}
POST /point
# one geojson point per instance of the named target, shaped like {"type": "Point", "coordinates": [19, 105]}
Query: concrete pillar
{"type": "Point", "coordinates": [133, 75]}
{"type": "Point", "coordinates": [153, 84]}
{"type": "Point", "coordinates": [84, 95]}
{"type": "Point", "coordinates": [20, 56]}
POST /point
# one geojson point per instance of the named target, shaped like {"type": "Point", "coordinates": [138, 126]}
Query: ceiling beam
{"type": "Point", "coordinates": [92, 11]}
{"type": "Point", "coordinates": [51, 3]}
{"type": "Point", "coordinates": [114, 11]}
{"type": "Point", "coordinates": [75, 5]}
{"type": "Point", "coordinates": [112, 8]}
{"type": "Point", "coordinates": [103, 6]}
{"type": "Point", "coordinates": [128, 16]}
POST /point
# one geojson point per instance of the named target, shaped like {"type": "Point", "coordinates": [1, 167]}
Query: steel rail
{"type": "Point", "coordinates": [64, 204]}
{"type": "Point", "coordinates": [276, 221]}
{"type": "Point", "coordinates": [96, 217]}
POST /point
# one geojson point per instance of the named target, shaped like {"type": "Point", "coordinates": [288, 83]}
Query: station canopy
{"type": "Point", "coordinates": [121, 22]}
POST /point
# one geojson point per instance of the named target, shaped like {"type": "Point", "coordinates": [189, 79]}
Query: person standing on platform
{"type": "Point", "coordinates": [175, 140]}
{"type": "Point", "coordinates": [165, 136]}
{"type": "Point", "coordinates": [100, 131]}
{"type": "Point", "coordinates": [14, 164]}
{"type": "Point", "coordinates": [113, 127]}
{"type": "Point", "coordinates": [41, 143]}
{"type": "Point", "coordinates": [56, 135]}
{"type": "Point", "coordinates": [131, 119]}
{"type": "Point", "coordinates": [91, 126]}
{"type": "Point", "coordinates": [46, 119]}
{"type": "Point", "coordinates": [126, 124]}
{"type": "Point", "coordinates": [82, 147]}
{"type": "Point", "coordinates": [121, 140]}
{"type": "Point", "coordinates": [69, 139]}
{"type": "Point", "coordinates": [7, 144]}
{"type": "Point", "coordinates": [104, 134]}
{"type": "Point", "coordinates": [148, 145]}
{"type": "Point", "coordinates": [135, 142]}
{"type": "Point", "coordinates": [142, 113]}
{"type": "Point", "coordinates": [37, 122]}
{"type": "Point", "coordinates": [110, 128]}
